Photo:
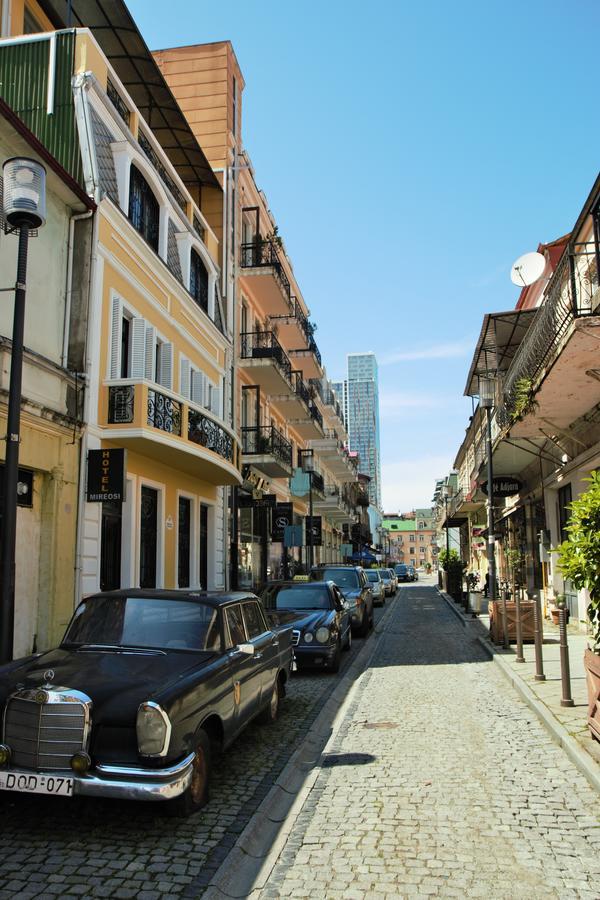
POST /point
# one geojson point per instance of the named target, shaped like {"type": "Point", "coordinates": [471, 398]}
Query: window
{"type": "Point", "coordinates": [125, 344]}
{"type": "Point", "coordinates": [412, 551]}
{"type": "Point", "coordinates": [254, 620]}
{"type": "Point", "coordinates": [199, 281]}
{"type": "Point", "coordinates": [412, 538]}
{"type": "Point", "coordinates": [184, 542]}
{"type": "Point", "coordinates": [421, 538]}
{"type": "Point", "coordinates": [237, 635]}
{"type": "Point", "coordinates": [565, 497]}
{"type": "Point", "coordinates": [144, 210]}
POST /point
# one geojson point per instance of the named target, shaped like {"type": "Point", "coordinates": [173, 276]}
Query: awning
{"type": "Point", "coordinates": [120, 40]}
{"type": "Point", "coordinates": [501, 334]}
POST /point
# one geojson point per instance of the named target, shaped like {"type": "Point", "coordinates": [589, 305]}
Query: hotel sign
{"type": "Point", "coordinates": [106, 476]}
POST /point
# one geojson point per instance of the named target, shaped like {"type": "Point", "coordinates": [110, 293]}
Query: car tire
{"type": "Point", "coordinates": [348, 644]}
{"type": "Point", "coordinates": [271, 712]}
{"type": "Point", "coordinates": [195, 795]}
{"type": "Point", "coordinates": [335, 663]}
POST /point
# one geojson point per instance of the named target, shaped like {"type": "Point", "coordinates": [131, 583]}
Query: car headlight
{"type": "Point", "coordinates": [308, 637]}
{"type": "Point", "coordinates": [153, 729]}
{"type": "Point", "coordinates": [322, 635]}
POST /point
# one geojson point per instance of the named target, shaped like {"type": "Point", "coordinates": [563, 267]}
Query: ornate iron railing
{"type": "Point", "coordinates": [313, 346]}
{"type": "Point", "coordinates": [266, 439]}
{"type": "Point", "coordinates": [318, 483]}
{"type": "Point", "coordinates": [297, 313]}
{"type": "Point", "coordinates": [316, 414]}
{"type": "Point", "coordinates": [571, 294]}
{"type": "Point", "coordinates": [118, 102]}
{"type": "Point", "coordinates": [260, 254]}
{"type": "Point", "coordinates": [164, 413]}
{"type": "Point", "coordinates": [199, 228]}
{"type": "Point", "coordinates": [121, 404]}
{"type": "Point", "coordinates": [207, 433]}
{"type": "Point", "coordinates": [300, 388]}
{"type": "Point", "coordinates": [166, 179]}
{"type": "Point", "coordinates": [264, 345]}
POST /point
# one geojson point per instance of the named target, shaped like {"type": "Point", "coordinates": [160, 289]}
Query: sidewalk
{"type": "Point", "coordinates": [566, 724]}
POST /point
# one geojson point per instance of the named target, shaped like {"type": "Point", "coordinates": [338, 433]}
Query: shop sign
{"type": "Point", "coordinates": [257, 500]}
{"type": "Point", "coordinates": [106, 476]}
{"type": "Point", "coordinates": [283, 515]}
{"type": "Point", "coordinates": [313, 525]}
{"type": "Point", "coordinates": [503, 486]}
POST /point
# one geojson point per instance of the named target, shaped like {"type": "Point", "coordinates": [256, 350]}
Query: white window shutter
{"type": "Point", "coordinates": [115, 337]}
{"type": "Point", "coordinates": [198, 388]}
{"type": "Point", "coordinates": [150, 354]}
{"type": "Point", "coordinates": [138, 348]}
{"type": "Point", "coordinates": [207, 392]}
{"type": "Point", "coordinates": [184, 377]}
{"type": "Point", "coordinates": [166, 366]}
{"type": "Point", "coordinates": [215, 401]}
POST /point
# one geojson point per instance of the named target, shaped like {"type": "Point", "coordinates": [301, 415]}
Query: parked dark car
{"type": "Point", "coordinates": [402, 572]}
{"type": "Point", "coordinates": [143, 688]}
{"type": "Point", "coordinates": [353, 584]}
{"type": "Point", "coordinates": [412, 573]}
{"type": "Point", "coordinates": [319, 617]}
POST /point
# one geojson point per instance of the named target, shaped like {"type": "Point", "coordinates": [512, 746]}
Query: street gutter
{"type": "Point", "coordinates": [246, 870]}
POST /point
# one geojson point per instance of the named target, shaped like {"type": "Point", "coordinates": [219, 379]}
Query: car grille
{"type": "Point", "coordinates": [45, 733]}
{"type": "Point", "coordinates": [295, 637]}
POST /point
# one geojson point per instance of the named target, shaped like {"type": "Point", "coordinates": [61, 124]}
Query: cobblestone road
{"type": "Point", "coordinates": [51, 847]}
{"type": "Point", "coordinates": [440, 782]}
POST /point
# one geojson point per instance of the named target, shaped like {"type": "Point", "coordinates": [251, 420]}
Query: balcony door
{"type": "Point", "coordinates": [203, 546]}
{"type": "Point", "coordinates": [110, 546]}
{"type": "Point", "coordinates": [148, 537]}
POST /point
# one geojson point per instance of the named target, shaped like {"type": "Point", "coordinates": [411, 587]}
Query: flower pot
{"type": "Point", "coordinates": [554, 613]}
{"type": "Point", "coordinates": [591, 662]}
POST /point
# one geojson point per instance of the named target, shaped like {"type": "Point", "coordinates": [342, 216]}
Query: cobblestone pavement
{"type": "Point", "coordinates": [440, 782]}
{"type": "Point", "coordinates": [53, 847]}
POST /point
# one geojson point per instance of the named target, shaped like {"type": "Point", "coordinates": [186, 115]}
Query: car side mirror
{"type": "Point", "coordinates": [347, 604]}
{"type": "Point", "coordinates": [246, 649]}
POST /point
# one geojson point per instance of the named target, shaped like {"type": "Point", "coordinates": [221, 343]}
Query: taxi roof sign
{"type": "Point", "coordinates": [300, 578]}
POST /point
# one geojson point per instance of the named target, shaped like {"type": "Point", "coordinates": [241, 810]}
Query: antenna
{"type": "Point", "coordinates": [527, 269]}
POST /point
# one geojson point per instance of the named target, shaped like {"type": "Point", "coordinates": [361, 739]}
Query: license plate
{"type": "Point", "coordinates": [36, 784]}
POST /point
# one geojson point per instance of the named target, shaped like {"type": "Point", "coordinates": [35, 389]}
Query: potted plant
{"type": "Point", "coordinates": [454, 568]}
{"type": "Point", "coordinates": [560, 602]}
{"type": "Point", "coordinates": [579, 561]}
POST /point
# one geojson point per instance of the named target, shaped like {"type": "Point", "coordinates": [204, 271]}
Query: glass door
{"type": "Point", "coordinates": [148, 537]}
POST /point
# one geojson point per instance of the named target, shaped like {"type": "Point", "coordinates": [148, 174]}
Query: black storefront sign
{"type": "Point", "coordinates": [503, 486]}
{"type": "Point", "coordinates": [315, 525]}
{"type": "Point", "coordinates": [249, 501]}
{"type": "Point", "coordinates": [106, 476]}
{"type": "Point", "coordinates": [283, 515]}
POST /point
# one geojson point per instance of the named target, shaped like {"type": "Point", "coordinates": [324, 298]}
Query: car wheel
{"type": "Point", "coordinates": [271, 712]}
{"type": "Point", "coordinates": [195, 795]}
{"type": "Point", "coordinates": [335, 663]}
{"type": "Point", "coordinates": [348, 644]}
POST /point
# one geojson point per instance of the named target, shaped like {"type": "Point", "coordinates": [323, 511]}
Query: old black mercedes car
{"type": "Point", "coordinates": [144, 687]}
{"type": "Point", "coordinates": [319, 617]}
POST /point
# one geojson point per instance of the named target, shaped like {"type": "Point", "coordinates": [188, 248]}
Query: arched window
{"type": "Point", "coordinates": [199, 281]}
{"type": "Point", "coordinates": [144, 210]}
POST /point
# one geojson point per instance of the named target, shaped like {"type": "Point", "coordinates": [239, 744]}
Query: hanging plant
{"type": "Point", "coordinates": [523, 401]}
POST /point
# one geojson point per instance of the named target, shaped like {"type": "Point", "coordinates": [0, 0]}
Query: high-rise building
{"type": "Point", "coordinates": [362, 410]}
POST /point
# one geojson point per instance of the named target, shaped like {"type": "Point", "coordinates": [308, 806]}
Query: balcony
{"type": "Point", "coordinates": [268, 450]}
{"type": "Point", "coordinates": [295, 402]}
{"type": "Point", "coordinates": [157, 423]}
{"type": "Point", "coordinates": [263, 275]}
{"type": "Point", "coordinates": [333, 452]}
{"type": "Point", "coordinates": [334, 504]}
{"type": "Point", "coordinates": [294, 329]}
{"type": "Point", "coordinates": [308, 360]}
{"type": "Point", "coordinates": [262, 355]}
{"type": "Point", "coordinates": [309, 426]}
{"type": "Point", "coordinates": [552, 380]}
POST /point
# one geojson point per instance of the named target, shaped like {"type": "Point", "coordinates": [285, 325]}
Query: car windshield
{"type": "Point", "coordinates": [383, 573]}
{"type": "Point", "coordinates": [372, 575]}
{"type": "Point", "coordinates": [400, 570]}
{"type": "Point", "coordinates": [303, 596]}
{"type": "Point", "coordinates": [344, 578]}
{"type": "Point", "coordinates": [145, 622]}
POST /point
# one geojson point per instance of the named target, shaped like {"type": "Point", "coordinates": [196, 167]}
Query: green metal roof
{"type": "Point", "coordinates": [399, 524]}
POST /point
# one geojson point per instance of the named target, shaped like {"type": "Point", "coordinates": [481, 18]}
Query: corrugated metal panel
{"type": "Point", "coordinates": [24, 86]}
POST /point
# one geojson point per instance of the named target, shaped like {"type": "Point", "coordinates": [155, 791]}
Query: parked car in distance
{"type": "Point", "coordinates": [394, 578]}
{"type": "Point", "coordinates": [377, 586]}
{"type": "Point", "coordinates": [353, 584]}
{"type": "Point", "coordinates": [144, 686]}
{"type": "Point", "coordinates": [401, 572]}
{"type": "Point", "coordinates": [412, 573]}
{"type": "Point", "coordinates": [319, 617]}
{"type": "Point", "coordinates": [386, 577]}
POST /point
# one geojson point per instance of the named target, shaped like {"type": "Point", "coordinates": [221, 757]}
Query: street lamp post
{"type": "Point", "coordinates": [308, 466]}
{"type": "Point", "coordinates": [487, 386]}
{"type": "Point", "coordinates": [24, 183]}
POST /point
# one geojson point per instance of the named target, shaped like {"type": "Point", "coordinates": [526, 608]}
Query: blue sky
{"type": "Point", "coordinates": [410, 152]}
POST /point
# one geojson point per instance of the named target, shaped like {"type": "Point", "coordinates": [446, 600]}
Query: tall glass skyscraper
{"type": "Point", "coordinates": [362, 398]}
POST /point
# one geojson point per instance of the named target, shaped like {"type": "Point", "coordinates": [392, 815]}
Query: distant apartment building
{"type": "Point", "coordinates": [411, 538]}
{"type": "Point", "coordinates": [363, 418]}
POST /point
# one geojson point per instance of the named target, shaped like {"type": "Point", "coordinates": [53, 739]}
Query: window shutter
{"type": "Point", "coordinates": [115, 337]}
{"type": "Point", "coordinates": [198, 388]}
{"type": "Point", "coordinates": [166, 366]}
{"type": "Point", "coordinates": [150, 354]}
{"type": "Point", "coordinates": [138, 348]}
{"type": "Point", "coordinates": [184, 377]}
{"type": "Point", "coordinates": [215, 401]}
{"type": "Point", "coordinates": [207, 392]}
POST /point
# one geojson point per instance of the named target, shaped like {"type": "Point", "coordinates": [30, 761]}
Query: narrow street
{"type": "Point", "coordinates": [440, 782]}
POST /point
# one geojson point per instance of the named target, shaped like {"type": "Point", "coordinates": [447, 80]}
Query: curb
{"type": "Point", "coordinates": [578, 756]}
{"type": "Point", "coordinates": [247, 867]}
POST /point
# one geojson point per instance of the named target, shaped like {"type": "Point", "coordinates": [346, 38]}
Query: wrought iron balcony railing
{"type": "Point", "coordinates": [266, 439]}
{"type": "Point", "coordinates": [260, 254]}
{"type": "Point", "coordinates": [207, 433]}
{"type": "Point", "coordinates": [313, 346]}
{"type": "Point", "coordinates": [571, 294]}
{"type": "Point", "coordinates": [299, 386]}
{"type": "Point", "coordinates": [264, 345]}
{"type": "Point", "coordinates": [316, 414]}
{"type": "Point", "coordinates": [318, 482]}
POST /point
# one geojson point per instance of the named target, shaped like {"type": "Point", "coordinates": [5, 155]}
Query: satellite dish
{"type": "Point", "coordinates": [527, 269]}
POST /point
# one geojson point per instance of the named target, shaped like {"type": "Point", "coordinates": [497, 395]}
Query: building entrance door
{"type": "Point", "coordinates": [110, 546]}
{"type": "Point", "coordinates": [148, 537]}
